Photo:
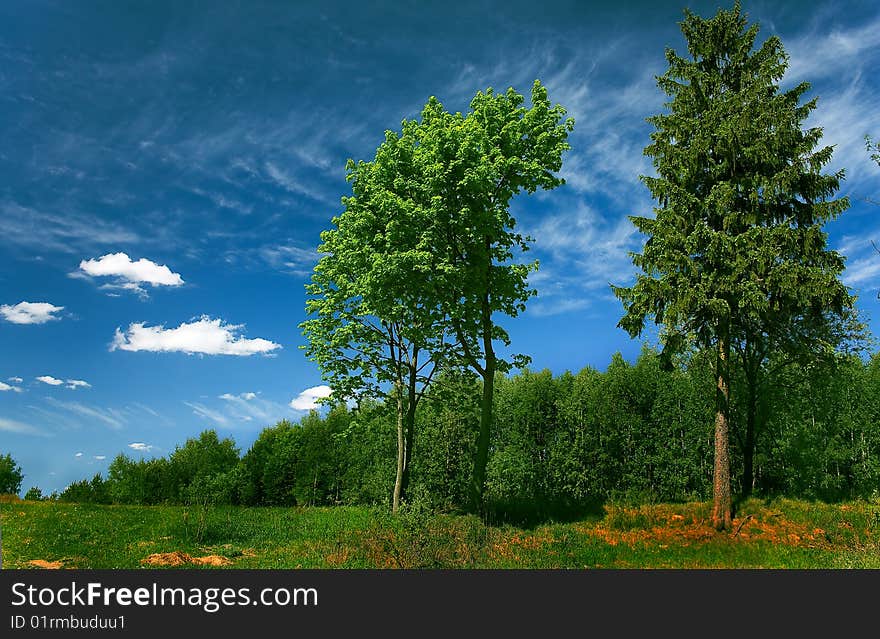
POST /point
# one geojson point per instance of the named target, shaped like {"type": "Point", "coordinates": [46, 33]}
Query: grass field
{"type": "Point", "coordinates": [766, 534]}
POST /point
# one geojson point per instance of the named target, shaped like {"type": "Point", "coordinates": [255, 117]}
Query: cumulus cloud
{"type": "Point", "coordinates": [245, 396]}
{"type": "Point", "coordinates": [204, 336]}
{"type": "Point", "coordinates": [128, 274]}
{"type": "Point", "coordinates": [78, 455]}
{"type": "Point", "coordinates": [16, 380]}
{"type": "Point", "coordinates": [7, 387]}
{"type": "Point", "coordinates": [100, 457]}
{"type": "Point", "coordinates": [140, 446]}
{"type": "Point", "coordinates": [72, 384]}
{"type": "Point", "coordinates": [307, 400]}
{"type": "Point", "coordinates": [30, 312]}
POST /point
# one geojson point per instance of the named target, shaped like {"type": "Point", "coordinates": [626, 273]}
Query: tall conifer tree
{"type": "Point", "coordinates": [737, 239]}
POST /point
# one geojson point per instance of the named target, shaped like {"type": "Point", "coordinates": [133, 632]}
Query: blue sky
{"type": "Point", "coordinates": [167, 169]}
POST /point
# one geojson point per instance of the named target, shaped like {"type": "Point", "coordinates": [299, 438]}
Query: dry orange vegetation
{"type": "Point", "coordinates": [178, 558]}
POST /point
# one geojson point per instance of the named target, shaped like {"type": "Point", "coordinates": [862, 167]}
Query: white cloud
{"type": "Point", "coordinates": [205, 336]}
{"type": "Point", "coordinates": [16, 380]}
{"type": "Point", "coordinates": [140, 446]}
{"type": "Point", "coordinates": [72, 384]}
{"type": "Point", "coordinates": [78, 455]}
{"type": "Point", "coordinates": [30, 312]}
{"type": "Point", "coordinates": [7, 387]}
{"type": "Point", "coordinates": [100, 457]}
{"type": "Point", "coordinates": [306, 400]}
{"type": "Point", "coordinates": [128, 274]}
{"type": "Point", "coordinates": [245, 396]}
{"type": "Point", "coordinates": [19, 428]}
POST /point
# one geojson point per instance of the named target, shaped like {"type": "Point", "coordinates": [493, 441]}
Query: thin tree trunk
{"type": "Point", "coordinates": [409, 434]}
{"type": "Point", "coordinates": [721, 512]}
{"type": "Point", "coordinates": [748, 476]}
{"type": "Point", "coordinates": [401, 451]}
{"type": "Point", "coordinates": [478, 479]}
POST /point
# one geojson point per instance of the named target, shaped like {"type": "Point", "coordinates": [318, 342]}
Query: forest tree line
{"type": "Point", "coordinates": [561, 445]}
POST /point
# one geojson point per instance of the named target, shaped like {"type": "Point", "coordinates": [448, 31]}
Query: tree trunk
{"type": "Point", "coordinates": [478, 479]}
{"type": "Point", "coordinates": [721, 513]}
{"type": "Point", "coordinates": [401, 451]}
{"type": "Point", "coordinates": [409, 433]}
{"type": "Point", "coordinates": [748, 476]}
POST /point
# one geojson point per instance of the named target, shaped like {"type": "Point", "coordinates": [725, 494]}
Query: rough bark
{"type": "Point", "coordinates": [721, 512]}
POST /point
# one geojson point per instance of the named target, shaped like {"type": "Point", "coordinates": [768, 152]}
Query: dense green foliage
{"type": "Point", "coordinates": [425, 256]}
{"type": "Point", "coordinates": [562, 445]}
{"type": "Point", "coordinates": [10, 475]}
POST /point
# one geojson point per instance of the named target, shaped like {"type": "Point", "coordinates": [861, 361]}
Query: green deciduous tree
{"type": "Point", "coordinates": [737, 241]}
{"type": "Point", "coordinates": [377, 329]}
{"type": "Point", "coordinates": [477, 163]}
{"type": "Point", "coordinates": [423, 256]}
{"type": "Point", "coordinates": [10, 475]}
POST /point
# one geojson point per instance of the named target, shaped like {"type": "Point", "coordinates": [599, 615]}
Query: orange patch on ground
{"type": "Point", "coordinates": [212, 560]}
{"type": "Point", "coordinates": [175, 558]}
{"type": "Point", "coordinates": [178, 558]}
{"type": "Point", "coordinates": [338, 558]}
{"type": "Point", "coordinates": [48, 565]}
{"type": "Point", "coordinates": [676, 529]}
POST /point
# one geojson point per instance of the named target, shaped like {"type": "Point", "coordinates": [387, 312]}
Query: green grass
{"type": "Point", "coordinates": [767, 534]}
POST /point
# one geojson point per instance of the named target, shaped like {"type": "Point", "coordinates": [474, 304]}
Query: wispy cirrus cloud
{"type": "Point", "coordinates": [582, 251]}
{"type": "Point", "coordinates": [840, 62]}
{"type": "Point", "coordinates": [30, 312]}
{"type": "Point", "coordinates": [204, 336]}
{"type": "Point", "coordinates": [208, 413]}
{"type": "Point", "coordinates": [67, 232]}
{"type": "Point", "coordinates": [20, 428]}
{"type": "Point", "coordinates": [110, 417]}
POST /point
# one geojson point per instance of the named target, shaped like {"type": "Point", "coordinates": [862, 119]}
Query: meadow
{"type": "Point", "coordinates": [777, 533]}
